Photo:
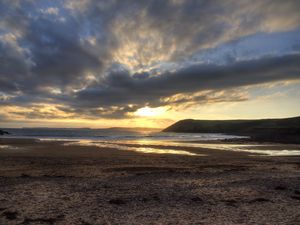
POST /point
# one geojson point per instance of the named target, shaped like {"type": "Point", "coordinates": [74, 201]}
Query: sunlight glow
{"type": "Point", "coordinates": [147, 111]}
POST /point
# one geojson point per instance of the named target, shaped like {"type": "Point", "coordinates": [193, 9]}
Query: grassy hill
{"type": "Point", "coordinates": [284, 130]}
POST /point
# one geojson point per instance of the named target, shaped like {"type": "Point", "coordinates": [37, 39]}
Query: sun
{"type": "Point", "coordinates": [149, 112]}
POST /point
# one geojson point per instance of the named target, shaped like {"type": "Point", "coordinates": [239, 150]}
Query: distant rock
{"type": "Point", "coordinates": [2, 132]}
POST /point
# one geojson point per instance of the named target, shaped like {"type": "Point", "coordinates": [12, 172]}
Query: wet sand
{"type": "Point", "coordinates": [54, 183]}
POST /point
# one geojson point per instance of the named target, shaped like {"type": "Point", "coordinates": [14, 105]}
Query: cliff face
{"type": "Point", "coordinates": [285, 130]}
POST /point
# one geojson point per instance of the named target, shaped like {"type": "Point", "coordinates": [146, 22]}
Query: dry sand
{"type": "Point", "coordinates": [49, 183]}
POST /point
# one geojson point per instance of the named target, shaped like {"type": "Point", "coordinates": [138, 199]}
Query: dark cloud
{"type": "Point", "coordinates": [109, 58]}
{"type": "Point", "coordinates": [121, 88]}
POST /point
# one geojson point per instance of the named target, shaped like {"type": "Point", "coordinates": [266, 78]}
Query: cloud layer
{"type": "Point", "coordinates": [106, 59]}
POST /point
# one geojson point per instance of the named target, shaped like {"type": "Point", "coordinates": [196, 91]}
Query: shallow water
{"type": "Point", "coordinates": [150, 142]}
{"type": "Point", "coordinates": [129, 148]}
{"type": "Point", "coordinates": [150, 146]}
{"type": "Point", "coordinates": [8, 147]}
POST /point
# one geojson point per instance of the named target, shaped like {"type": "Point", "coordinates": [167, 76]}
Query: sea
{"type": "Point", "coordinates": [111, 134]}
{"type": "Point", "coordinates": [150, 140]}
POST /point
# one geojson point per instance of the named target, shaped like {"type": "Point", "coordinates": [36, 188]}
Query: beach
{"type": "Point", "coordinates": [55, 182]}
{"type": "Point", "coordinates": [170, 112]}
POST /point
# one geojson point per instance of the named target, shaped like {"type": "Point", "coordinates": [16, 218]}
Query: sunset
{"type": "Point", "coordinates": [174, 91]}
{"type": "Point", "coordinates": [93, 63]}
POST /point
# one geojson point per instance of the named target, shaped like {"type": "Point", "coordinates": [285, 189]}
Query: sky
{"type": "Point", "coordinates": [147, 63]}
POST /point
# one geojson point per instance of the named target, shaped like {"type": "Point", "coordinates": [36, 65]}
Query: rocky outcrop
{"type": "Point", "coordinates": [2, 132]}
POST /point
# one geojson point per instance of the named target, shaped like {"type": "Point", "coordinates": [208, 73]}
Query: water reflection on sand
{"type": "Point", "coordinates": [171, 147]}
{"type": "Point", "coordinates": [265, 149]}
{"type": "Point", "coordinates": [143, 149]}
{"type": "Point", "coordinates": [8, 147]}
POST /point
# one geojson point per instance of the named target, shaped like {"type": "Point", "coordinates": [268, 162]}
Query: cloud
{"type": "Point", "coordinates": [121, 88]}
{"type": "Point", "coordinates": [50, 10]}
{"type": "Point", "coordinates": [3, 118]}
{"type": "Point", "coordinates": [106, 59]}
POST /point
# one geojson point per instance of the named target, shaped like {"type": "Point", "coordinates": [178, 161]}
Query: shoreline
{"type": "Point", "coordinates": [205, 147]}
